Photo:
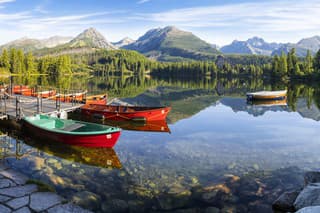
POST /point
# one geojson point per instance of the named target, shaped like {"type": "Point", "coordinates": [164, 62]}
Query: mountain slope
{"type": "Point", "coordinates": [86, 42]}
{"type": "Point", "coordinates": [171, 42]}
{"type": "Point", "coordinates": [255, 46]}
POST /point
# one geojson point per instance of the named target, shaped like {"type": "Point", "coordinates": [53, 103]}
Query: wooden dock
{"type": "Point", "coordinates": [18, 106]}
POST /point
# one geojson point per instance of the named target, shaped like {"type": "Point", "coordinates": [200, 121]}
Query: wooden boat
{"type": "Point", "coordinates": [268, 103]}
{"type": "Point", "coordinates": [96, 99]}
{"type": "Point", "coordinates": [120, 113]}
{"type": "Point", "coordinates": [267, 95]}
{"type": "Point", "coordinates": [71, 131]}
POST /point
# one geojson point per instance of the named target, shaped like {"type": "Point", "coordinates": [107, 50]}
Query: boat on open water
{"type": "Point", "coordinates": [72, 132]}
{"type": "Point", "coordinates": [267, 95]}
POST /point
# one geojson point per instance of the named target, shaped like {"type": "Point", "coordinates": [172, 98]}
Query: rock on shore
{"type": "Point", "coordinates": [306, 200]}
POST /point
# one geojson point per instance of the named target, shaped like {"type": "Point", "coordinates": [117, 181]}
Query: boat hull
{"type": "Point", "coordinates": [267, 98]}
{"type": "Point", "coordinates": [100, 140]}
{"type": "Point", "coordinates": [267, 95]}
{"type": "Point", "coordinates": [122, 113]}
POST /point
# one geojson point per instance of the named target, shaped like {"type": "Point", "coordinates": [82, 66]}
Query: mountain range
{"type": "Point", "coordinates": [29, 44]}
{"type": "Point", "coordinates": [257, 46]}
{"type": "Point", "coordinates": [164, 44]}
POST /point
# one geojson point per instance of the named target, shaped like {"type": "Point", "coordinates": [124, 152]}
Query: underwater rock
{"type": "Point", "coordinates": [285, 201]}
{"type": "Point", "coordinates": [52, 161]}
{"type": "Point", "coordinates": [309, 196]}
{"type": "Point", "coordinates": [176, 197]}
{"type": "Point", "coordinates": [311, 177]}
{"type": "Point", "coordinates": [212, 210]}
{"type": "Point", "coordinates": [37, 163]}
{"type": "Point", "coordinates": [116, 206]}
{"type": "Point", "coordinates": [215, 194]}
{"type": "Point", "coordinates": [310, 209]}
{"type": "Point", "coordinates": [87, 199]}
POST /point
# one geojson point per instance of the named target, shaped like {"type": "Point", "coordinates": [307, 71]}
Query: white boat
{"type": "Point", "coordinates": [267, 95]}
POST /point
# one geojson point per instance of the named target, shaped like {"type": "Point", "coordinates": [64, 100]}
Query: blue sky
{"type": "Point", "coordinates": [217, 22]}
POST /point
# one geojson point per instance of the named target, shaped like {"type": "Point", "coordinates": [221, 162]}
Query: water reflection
{"type": "Point", "coordinates": [222, 152]}
{"type": "Point", "coordinates": [100, 157]}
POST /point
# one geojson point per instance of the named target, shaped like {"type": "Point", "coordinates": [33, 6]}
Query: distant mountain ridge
{"type": "Point", "coordinates": [257, 46]}
{"type": "Point", "coordinates": [305, 44]}
{"type": "Point", "coordinates": [30, 44]}
{"type": "Point", "coordinates": [123, 42]}
{"type": "Point", "coordinates": [164, 44]}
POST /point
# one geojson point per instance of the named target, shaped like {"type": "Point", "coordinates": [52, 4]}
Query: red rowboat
{"type": "Point", "coordinates": [136, 113]}
{"type": "Point", "coordinates": [72, 132]}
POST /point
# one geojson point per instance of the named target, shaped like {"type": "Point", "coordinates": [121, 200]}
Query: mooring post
{"type": "Point", "coordinates": [5, 106]}
{"type": "Point", "coordinates": [18, 110]}
{"type": "Point", "coordinates": [38, 103]}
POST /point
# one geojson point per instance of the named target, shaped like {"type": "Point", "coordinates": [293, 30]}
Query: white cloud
{"type": "Point", "coordinates": [6, 1]}
{"type": "Point", "coordinates": [260, 18]}
{"type": "Point", "coordinates": [142, 1]}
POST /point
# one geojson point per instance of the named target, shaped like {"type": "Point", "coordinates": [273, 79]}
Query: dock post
{"type": "Point", "coordinates": [18, 113]}
{"type": "Point", "coordinates": [38, 103]}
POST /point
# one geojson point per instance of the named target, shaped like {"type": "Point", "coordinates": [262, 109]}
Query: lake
{"type": "Point", "coordinates": [219, 152]}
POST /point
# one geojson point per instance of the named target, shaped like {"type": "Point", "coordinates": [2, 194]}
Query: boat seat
{"type": "Point", "coordinates": [72, 127]}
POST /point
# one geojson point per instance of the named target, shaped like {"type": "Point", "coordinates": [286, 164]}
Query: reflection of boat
{"type": "Point", "coordinates": [96, 99]}
{"type": "Point", "coordinates": [101, 157]}
{"type": "Point", "coordinates": [149, 126]}
{"type": "Point", "coordinates": [119, 113]}
{"type": "Point", "coordinates": [72, 132]}
{"type": "Point", "coordinates": [267, 95]}
{"type": "Point", "coordinates": [268, 103]}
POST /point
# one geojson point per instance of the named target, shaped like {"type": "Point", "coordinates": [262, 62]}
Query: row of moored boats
{"type": "Point", "coordinates": [89, 134]}
{"type": "Point", "coordinates": [82, 133]}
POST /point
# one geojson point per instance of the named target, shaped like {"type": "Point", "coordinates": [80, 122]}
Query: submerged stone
{"type": "Point", "coordinates": [311, 177]}
{"type": "Point", "coordinates": [309, 196]}
{"type": "Point", "coordinates": [87, 199]}
{"type": "Point", "coordinates": [116, 205]}
{"type": "Point", "coordinates": [66, 208]}
{"type": "Point", "coordinates": [285, 201]}
{"type": "Point", "coordinates": [310, 209]}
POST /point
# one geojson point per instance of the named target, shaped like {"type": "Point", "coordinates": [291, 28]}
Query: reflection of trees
{"type": "Point", "coordinates": [133, 85]}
